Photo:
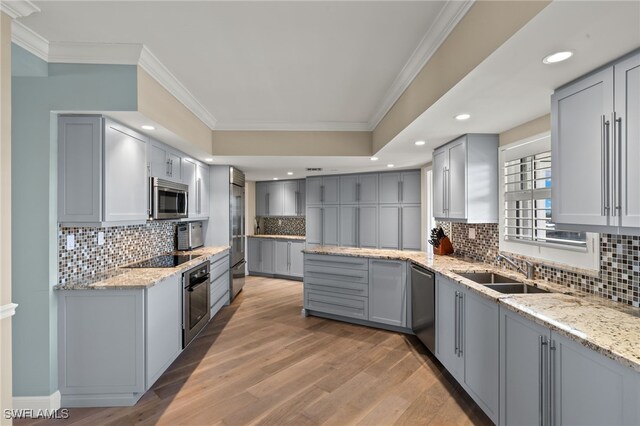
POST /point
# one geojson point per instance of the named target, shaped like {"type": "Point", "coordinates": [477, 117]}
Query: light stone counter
{"type": "Point", "coordinates": [136, 278]}
{"type": "Point", "coordinates": [279, 237]}
{"type": "Point", "coordinates": [611, 329]}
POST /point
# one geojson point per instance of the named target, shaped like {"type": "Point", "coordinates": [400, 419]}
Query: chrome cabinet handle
{"type": "Point", "coordinates": [617, 142]}
{"type": "Point", "coordinates": [357, 226]}
{"type": "Point", "coordinates": [461, 324]}
{"type": "Point", "coordinates": [149, 199]}
{"type": "Point", "coordinates": [607, 162]}
{"type": "Point", "coordinates": [552, 382]}
{"type": "Point", "coordinates": [322, 193]}
{"type": "Point", "coordinates": [322, 226]}
{"type": "Point", "coordinates": [268, 203]}
{"type": "Point", "coordinates": [297, 204]}
{"type": "Point", "coordinates": [399, 228]}
{"type": "Point", "coordinates": [358, 192]}
{"type": "Point", "coordinates": [455, 324]}
{"type": "Point", "coordinates": [542, 345]}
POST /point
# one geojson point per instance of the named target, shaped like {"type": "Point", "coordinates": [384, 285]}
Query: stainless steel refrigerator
{"type": "Point", "coordinates": [236, 231]}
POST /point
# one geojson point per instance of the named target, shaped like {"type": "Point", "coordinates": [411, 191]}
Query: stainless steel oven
{"type": "Point", "coordinates": [195, 298]}
{"type": "Point", "coordinates": [169, 200]}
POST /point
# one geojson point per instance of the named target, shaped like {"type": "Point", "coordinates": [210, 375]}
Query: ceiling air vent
{"type": "Point", "coordinates": [314, 169]}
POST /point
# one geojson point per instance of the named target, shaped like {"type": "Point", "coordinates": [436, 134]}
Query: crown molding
{"type": "Point", "coordinates": [162, 75]}
{"type": "Point", "coordinates": [450, 15]}
{"type": "Point", "coordinates": [8, 310]}
{"type": "Point", "coordinates": [18, 8]}
{"type": "Point", "coordinates": [94, 53]}
{"type": "Point", "coordinates": [29, 40]}
{"type": "Point", "coordinates": [319, 126]}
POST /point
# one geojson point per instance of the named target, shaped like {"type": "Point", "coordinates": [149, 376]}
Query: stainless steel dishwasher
{"type": "Point", "coordinates": [423, 306]}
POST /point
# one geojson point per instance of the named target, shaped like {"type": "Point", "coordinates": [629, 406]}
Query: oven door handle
{"type": "Point", "coordinates": [197, 283]}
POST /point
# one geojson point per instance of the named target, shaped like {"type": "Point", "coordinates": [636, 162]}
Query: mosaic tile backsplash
{"type": "Point", "coordinates": [122, 245]}
{"type": "Point", "coordinates": [283, 226]}
{"type": "Point", "coordinates": [619, 278]}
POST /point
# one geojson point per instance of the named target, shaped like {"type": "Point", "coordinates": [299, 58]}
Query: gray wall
{"type": "Point", "coordinates": [38, 90]}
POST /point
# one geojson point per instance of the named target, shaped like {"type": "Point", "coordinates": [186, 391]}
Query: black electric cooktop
{"type": "Point", "coordinates": [164, 261]}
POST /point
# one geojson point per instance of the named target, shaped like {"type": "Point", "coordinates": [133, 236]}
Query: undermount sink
{"type": "Point", "coordinates": [500, 283]}
{"type": "Point", "coordinates": [515, 288]}
{"type": "Point", "coordinates": [487, 278]}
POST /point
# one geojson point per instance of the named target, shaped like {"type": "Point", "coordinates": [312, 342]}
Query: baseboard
{"type": "Point", "coordinates": [51, 402]}
{"type": "Point", "coordinates": [101, 400]}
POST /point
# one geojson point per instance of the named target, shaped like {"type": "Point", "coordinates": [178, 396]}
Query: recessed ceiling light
{"type": "Point", "coordinates": [147, 127]}
{"type": "Point", "coordinates": [462, 117]}
{"type": "Point", "coordinates": [419, 143]}
{"type": "Point", "coordinates": [275, 178]}
{"type": "Point", "coordinates": [390, 165]}
{"type": "Point", "coordinates": [374, 159]}
{"type": "Point", "coordinates": [289, 173]}
{"type": "Point", "coordinates": [208, 160]}
{"type": "Point", "coordinates": [557, 57]}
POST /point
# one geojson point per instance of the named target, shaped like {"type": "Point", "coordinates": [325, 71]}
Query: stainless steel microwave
{"type": "Point", "coordinates": [169, 200]}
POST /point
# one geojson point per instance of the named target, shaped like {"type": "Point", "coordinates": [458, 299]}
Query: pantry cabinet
{"type": "Point", "coordinates": [465, 180]}
{"type": "Point", "coordinates": [322, 223]}
{"type": "Point", "coordinates": [103, 172]}
{"type": "Point", "coordinates": [595, 138]}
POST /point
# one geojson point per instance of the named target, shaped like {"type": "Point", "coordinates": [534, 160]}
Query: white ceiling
{"type": "Point", "coordinates": [261, 64]}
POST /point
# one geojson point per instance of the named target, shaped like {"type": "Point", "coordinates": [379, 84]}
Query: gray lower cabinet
{"type": "Point", "coordinates": [219, 282]}
{"type": "Point", "coordinates": [276, 257]}
{"type": "Point", "coordinates": [103, 172]}
{"type": "Point", "coordinates": [369, 290]}
{"type": "Point", "coordinates": [388, 292]}
{"type": "Point", "coordinates": [467, 342]}
{"type": "Point", "coordinates": [261, 256]}
{"type": "Point", "coordinates": [113, 344]}
{"type": "Point", "coordinates": [547, 379]}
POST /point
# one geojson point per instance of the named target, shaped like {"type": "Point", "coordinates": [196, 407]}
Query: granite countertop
{"type": "Point", "coordinates": [280, 237]}
{"type": "Point", "coordinates": [609, 328]}
{"type": "Point", "coordinates": [137, 278]}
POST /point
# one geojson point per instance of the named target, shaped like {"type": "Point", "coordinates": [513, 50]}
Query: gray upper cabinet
{"type": "Point", "coordinates": [103, 172]}
{"type": "Point", "coordinates": [283, 198]}
{"type": "Point", "coordinates": [401, 187]}
{"type": "Point", "coordinates": [165, 162]}
{"type": "Point", "coordinates": [189, 176]}
{"type": "Point", "coordinates": [323, 190]}
{"type": "Point", "coordinates": [359, 189]}
{"type": "Point", "coordinates": [548, 379]}
{"type": "Point", "coordinates": [595, 138]}
{"type": "Point", "coordinates": [465, 180]}
{"type": "Point", "coordinates": [388, 292]}
{"type": "Point", "coordinates": [196, 175]}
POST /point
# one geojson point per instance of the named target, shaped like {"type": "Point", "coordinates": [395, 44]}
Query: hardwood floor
{"type": "Point", "coordinates": [259, 362]}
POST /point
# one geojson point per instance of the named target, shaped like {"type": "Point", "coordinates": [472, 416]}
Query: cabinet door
{"type": "Point", "coordinates": [590, 389]}
{"type": "Point", "coordinates": [281, 258]}
{"type": "Point", "coordinates": [159, 161]}
{"type": "Point", "coordinates": [368, 189]}
{"type": "Point", "coordinates": [580, 141]}
{"type": "Point", "coordinates": [389, 227]}
{"type": "Point", "coordinates": [330, 226]}
{"type": "Point", "coordinates": [79, 163]}
{"type": "Point", "coordinates": [164, 326]}
{"type": "Point", "coordinates": [254, 254]}
{"type": "Point", "coordinates": [456, 179]}
{"type": "Point", "coordinates": [314, 190]}
{"type": "Point", "coordinates": [481, 351]}
{"type": "Point", "coordinates": [627, 98]}
{"type": "Point", "coordinates": [411, 234]}
{"type": "Point", "coordinates": [261, 199]}
{"type": "Point", "coordinates": [389, 192]}
{"type": "Point", "coordinates": [349, 226]}
{"type": "Point", "coordinates": [296, 259]}
{"type": "Point", "coordinates": [302, 196]}
{"type": "Point", "coordinates": [126, 186]}
{"type": "Point", "coordinates": [440, 164]}
{"type": "Point", "coordinates": [388, 292]}
{"type": "Point", "coordinates": [175, 166]}
{"type": "Point", "coordinates": [368, 226]}
{"type": "Point", "coordinates": [447, 325]}
{"type": "Point", "coordinates": [290, 198]}
{"type": "Point", "coordinates": [410, 188]}
{"type": "Point", "coordinates": [202, 185]}
{"type": "Point", "coordinates": [521, 377]}
{"type": "Point", "coordinates": [189, 173]}
{"type": "Point", "coordinates": [314, 225]}
{"type": "Point", "coordinates": [349, 189]}
{"type": "Point", "coordinates": [275, 199]}
{"type": "Point", "coordinates": [267, 258]}
{"type": "Point", "coordinates": [331, 190]}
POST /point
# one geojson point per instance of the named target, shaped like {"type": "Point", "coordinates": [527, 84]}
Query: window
{"type": "Point", "coordinates": [526, 182]}
{"type": "Point", "coordinates": [527, 203]}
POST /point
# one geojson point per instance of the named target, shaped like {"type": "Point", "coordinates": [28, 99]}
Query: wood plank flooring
{"type": "Point", "coordinates": [259, 362]}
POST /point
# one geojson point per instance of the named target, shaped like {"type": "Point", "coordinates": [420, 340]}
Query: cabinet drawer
{"type": "Point", "coordinates": [336, 261]}
{"type": "Point", "coordinates": [339, 287]}
{"type": "Point", "coordinates": [346, 306]}
{"type": "Point", "coordinates": [336, 273]}
{"type": "Point", "coordinates": [219, 267]}
{"type": "Point", "coordinates": [219, 287]}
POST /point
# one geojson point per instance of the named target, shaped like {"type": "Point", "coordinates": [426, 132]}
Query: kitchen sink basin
{"type": "Point", "coordinates": [488, 278]}
{"type": "Point", "coordinates": [515, 288]}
